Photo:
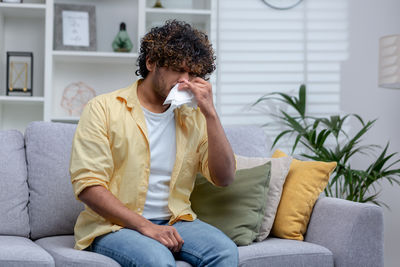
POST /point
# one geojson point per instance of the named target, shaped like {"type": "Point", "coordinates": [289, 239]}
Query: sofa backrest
{"type": "Point", "coordinates": [53, 208]}
{"type": "Point", "coordinates": [249, 140]}
{"type": "Point", "coordinates": [14, 193]}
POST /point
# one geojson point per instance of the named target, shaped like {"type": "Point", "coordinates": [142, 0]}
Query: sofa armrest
{"type": "Point", "coordinates": [352, 231]}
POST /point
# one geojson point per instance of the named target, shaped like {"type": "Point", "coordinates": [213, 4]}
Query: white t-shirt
{"type": "Point", "coordinates": [162, 138]}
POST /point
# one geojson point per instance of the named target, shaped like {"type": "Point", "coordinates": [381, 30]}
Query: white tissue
{"type": "Point", "coordinates": [179, 97]}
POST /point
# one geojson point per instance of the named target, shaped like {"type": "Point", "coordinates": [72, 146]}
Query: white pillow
{"type": "Point", "coordinates": [279, 170]}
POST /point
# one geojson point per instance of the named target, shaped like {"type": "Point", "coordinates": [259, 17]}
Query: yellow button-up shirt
{"type": "Point", "coordinates": [111, 149]}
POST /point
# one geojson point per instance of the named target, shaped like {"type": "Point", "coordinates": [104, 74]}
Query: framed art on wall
{"type": "Point", "coordinates": [74, 27]}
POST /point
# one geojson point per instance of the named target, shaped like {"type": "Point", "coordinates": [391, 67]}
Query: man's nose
{"type": "Point", "coordinates": [184, 76]}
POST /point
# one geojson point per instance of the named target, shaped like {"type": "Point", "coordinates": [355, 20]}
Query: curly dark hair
{"type": "Point", "coordinates": [174, 44]}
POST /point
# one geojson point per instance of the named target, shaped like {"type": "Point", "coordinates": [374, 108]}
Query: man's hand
{"type": "Point", "coordinates": [166, 235]}
{"type": "Point", "coordinates": [221, 161]}
{"type": "Point", "coordinates": [100, 200]}
{"type": "Point", "coordinates": [202, 91]}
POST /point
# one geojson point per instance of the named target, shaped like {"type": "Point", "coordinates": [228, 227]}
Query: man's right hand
{"type": "Point", "coordinates": [100, 200]}
{"type": "Point", "coordinates": [166, 235]}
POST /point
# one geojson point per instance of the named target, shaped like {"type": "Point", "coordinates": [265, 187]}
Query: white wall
{"type": "Point", "coordinates": [368, 21]}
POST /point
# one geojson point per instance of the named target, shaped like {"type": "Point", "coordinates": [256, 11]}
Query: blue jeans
{"type": "Point", "coordinates": [204, 245]}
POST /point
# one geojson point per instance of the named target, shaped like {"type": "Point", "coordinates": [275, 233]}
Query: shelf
{"type": "Point", "coordinates": [94, 57]}
{"type": "Point", "coordinates": [23, 10]}
{"type": "Point", "coordinates": [22, 99]}
{"type": "Point", "coordinates": [65, 119]}
{"type": "Point", "coordinates": [178, 11]}
{"type": "Point", "coordinates": [197, 17]}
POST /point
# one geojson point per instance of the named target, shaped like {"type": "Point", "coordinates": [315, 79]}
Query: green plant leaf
{"type": "Point", "coordinates": [280, 136]}
{"type": "Point", "coordinates": [301, 104]}
{"type": "Point", "coordinates": [322, 136]}
{"type": "Point", "coordinates": [295, 143]}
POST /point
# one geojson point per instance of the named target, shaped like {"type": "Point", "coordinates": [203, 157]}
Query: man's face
{"type": "Point", "coordinates": [165, 78]}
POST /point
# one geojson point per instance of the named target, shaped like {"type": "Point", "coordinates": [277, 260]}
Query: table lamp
{"type": "Point", "coordinates": [389, 61]}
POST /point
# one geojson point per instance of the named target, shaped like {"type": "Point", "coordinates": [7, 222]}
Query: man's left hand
{"type": "Point", "coordinates": [202, 91]}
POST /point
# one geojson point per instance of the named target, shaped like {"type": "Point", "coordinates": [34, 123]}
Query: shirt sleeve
{"type": "Point", "coordinates": [203, 151]}
{"type": "Point", "coordinates": [91, 158]}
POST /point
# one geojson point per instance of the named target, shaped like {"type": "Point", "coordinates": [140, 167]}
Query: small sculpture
{"type": "Point", "coordinates": [121, 42]}
{"type": "Point", "coordinates": [75, 97]}
{"type": "Point", "coordinates": [158, 4]}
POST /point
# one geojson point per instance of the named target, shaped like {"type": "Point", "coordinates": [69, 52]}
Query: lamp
{"type": "Point", "coordinates": [389, 61]}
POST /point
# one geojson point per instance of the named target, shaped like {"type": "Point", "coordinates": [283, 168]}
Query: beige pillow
{"type": "Point", "coordinates": [279, 170]}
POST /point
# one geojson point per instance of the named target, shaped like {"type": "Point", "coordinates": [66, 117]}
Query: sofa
{"type": "Point", "coordinates": [38, 210]}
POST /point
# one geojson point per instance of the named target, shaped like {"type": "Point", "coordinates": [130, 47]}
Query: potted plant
{"type": "Point", "coordinates": [360, 185]}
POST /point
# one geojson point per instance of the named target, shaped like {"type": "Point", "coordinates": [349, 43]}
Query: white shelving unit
{"type": "Point", "coordinates": [94, 57]}
{"type": "Point", "coordinates": [22, 100]}
{"type": "Point", "coordinates": [68, 119]}
{"type": "Point", "coordinates": [197, 13]}
{"type": "Point", "coordinates": [103, 70]}
{"type": "Point", "coordinates": [178, 11]}
{"type": "Point", "coordinates": [22, 28]}
{"type": "Point", "coordinates": [24, 10]}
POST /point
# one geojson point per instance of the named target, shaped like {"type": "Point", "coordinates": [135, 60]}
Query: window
{"type": "Point", "coordinates": [261, 50]}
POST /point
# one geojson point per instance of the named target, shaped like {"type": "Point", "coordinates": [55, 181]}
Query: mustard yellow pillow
{"type": "Point", "coordinates": [304, 183]}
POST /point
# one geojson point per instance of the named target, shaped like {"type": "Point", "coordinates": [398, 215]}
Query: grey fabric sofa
{"type": "Point", "coordinates": [38, 210]}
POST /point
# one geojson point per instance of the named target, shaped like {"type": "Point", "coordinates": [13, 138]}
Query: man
{"type": "Point", "coordinates": [134, 160]}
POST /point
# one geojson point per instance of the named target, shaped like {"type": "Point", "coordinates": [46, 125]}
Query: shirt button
{"type": "Point", "coordinates": [139, 209]}
{"type": "Point", "coordinates": [143, 188]}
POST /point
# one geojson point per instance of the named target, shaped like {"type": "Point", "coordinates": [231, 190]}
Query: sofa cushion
{"type": "Point", "coordinates": [276, 252]}
{"type": "Point", "coordinates": [64, 254]}
{"type": "Point", "coordinates": [14, 192]}
{"type": "Point", "coordinates": [53, 208]}
{"type": "Point", "coordinates": [304, 183]}
{"type": "Point", "coordinates": [279, 170]}
{"type": "Point", "coordinates": [249, 141]}
{"type": "Point", "coordinates": [238, 209]}
{"type": "Point", "coordinates": [20, 251]}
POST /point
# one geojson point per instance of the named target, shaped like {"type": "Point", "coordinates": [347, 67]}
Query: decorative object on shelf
{"type": "Point", "coordinates": [121, 42]}
{"type": "Point", "coordinates": [74, 27]}
{"type": "Point", "coordinates": [158, 4]}
{"type": "Point", "coordinates": [75, 97]}
{"type": "Point", "coordinates": [282, 4]}
{"type": "Point", "coordinates": [11, 1]}
{"type": "Point", "coordinates": [19, 73]}
{"type": "Point", "coordinates": [389, 62]}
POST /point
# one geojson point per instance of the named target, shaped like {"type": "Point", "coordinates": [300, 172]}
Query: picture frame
{"type": "Point", "coordinates": [19, 80]}
{"type": "Point", "coordinates": [75, 27]}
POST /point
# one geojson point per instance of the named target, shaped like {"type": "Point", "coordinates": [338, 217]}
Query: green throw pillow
{"type": "Point", "coordinates": [237, 209]}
